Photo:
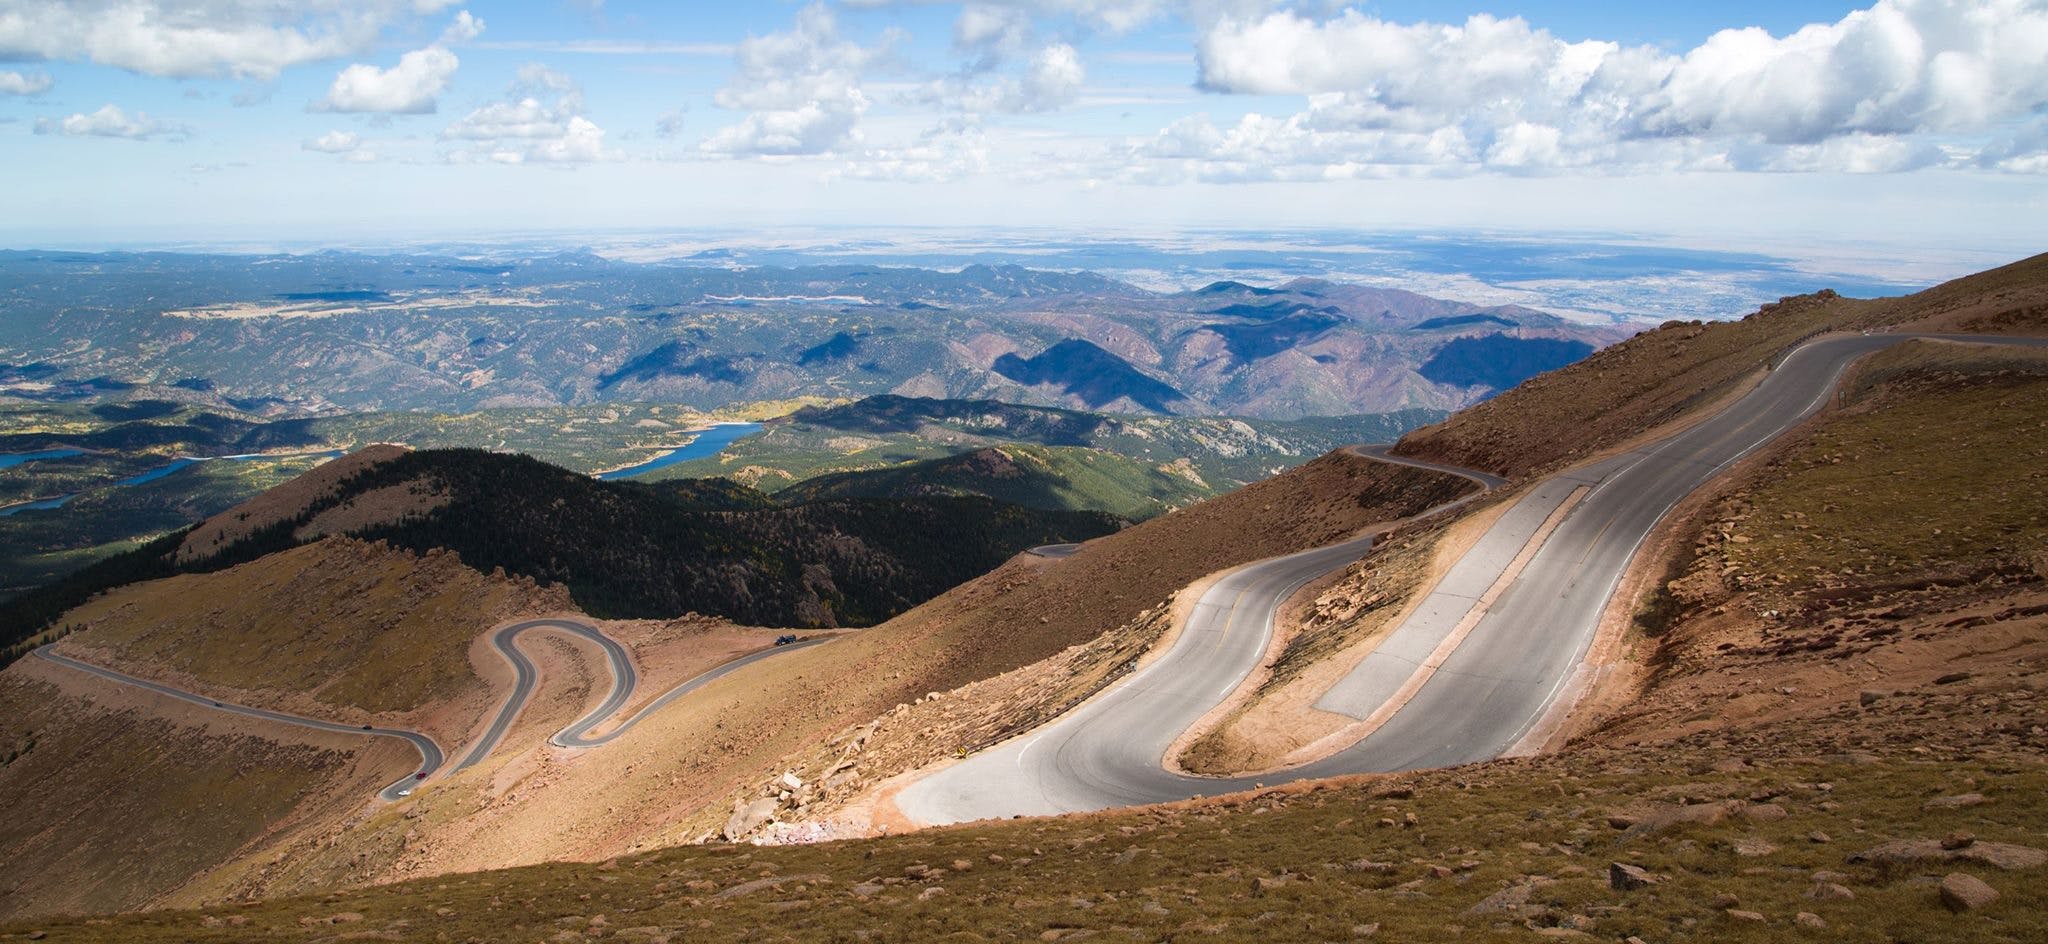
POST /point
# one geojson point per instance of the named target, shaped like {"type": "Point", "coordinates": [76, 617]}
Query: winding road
{"type": "Point", "coordinates": [1481, 660]}
{"type": "Point", "coordinates": [625, 680]}
{"type": "Point", "coordinates": [430, 752]}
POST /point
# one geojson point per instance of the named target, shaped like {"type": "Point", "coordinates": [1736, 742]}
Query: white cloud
{"type": "Point", "coordinates": [191, 38]}
{"type": "Point", "coordinates": [111, 122]}
{"type": "Point", "coordinates": [412, 87]}
{"type": "Point", "coordinates": [16, 83]}
{"type": "Point", "coordinates": [541, 119]}
{"type": "Point", "coordinates": [802, 89]}
{"type": "Point", "coordinates": [333, 142]}
{"type": "Point", "coordinates": [1050, 81]}
{"type": "Point", "coordinates": [408, 88]}
{"type": "Point", "coordinates": [464, 29]}
{"type": "Point", "coordinates": [1863, 94]}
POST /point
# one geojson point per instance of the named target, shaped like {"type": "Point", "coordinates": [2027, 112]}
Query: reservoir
{"type": "Point", "coordinates": [709, 442]}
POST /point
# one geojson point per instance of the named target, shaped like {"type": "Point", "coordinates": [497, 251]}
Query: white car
{"type": "Point", "coordinates": [404, 793]}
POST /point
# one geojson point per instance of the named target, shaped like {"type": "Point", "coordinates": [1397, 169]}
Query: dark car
{"type": "Point", "coordinates": [422, 775]}
{"type": "Point", "coordinates": [366, 727]}
{"type": "Point", "coordinates": [785, 640]}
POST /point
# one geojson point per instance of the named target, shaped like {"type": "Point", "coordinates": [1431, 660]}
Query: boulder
{"type": "Point", "coordinates": [1624, 877]}
{"type": "Point", "coordinates": [1961, 892]}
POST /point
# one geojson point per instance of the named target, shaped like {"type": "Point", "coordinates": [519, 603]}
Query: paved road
{"type": "Point", "coordinates": [1480, 699]}
{"type": "Point", "coordinates": [430, 752]}
{"type": "Point", "coordinates": [1054, 551]}
{"type": "Point", "coordinates": [624, 681]}
{"type": "Point", "coordinates": [577, 735]}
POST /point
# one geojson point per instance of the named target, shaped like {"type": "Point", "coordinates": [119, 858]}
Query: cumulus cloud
{"type": "Point", "coordinates": [1051, 80]}
{"type": "Point", "coordinates": [333, 142]}
{"type": "Point", "coordinates": [464, 29]}
{"type": "Point", "coordinates": [1841, 96]}
{"type": "Point", "coordinates": [111, 122]}
{"type": "Point", "coordinates": [541, 119]}
{"type": "Point", "coordinates": [194, 38]}
{"type": "Point", "coordinates": [802, 89]}
{"type": "Point", "coordinates": [17, 83]}
{"type": "Point", "coordinates": [412, 87]}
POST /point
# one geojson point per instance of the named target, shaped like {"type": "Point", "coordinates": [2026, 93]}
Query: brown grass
{"type": "Point", "coordinates": [109, 809]}
{"type": "Point", "coordinates": [1683, 367]}
{"type": "Point", "coordinates": [348, 623]}
{"type": "Point", "coordinates": [282, 503]}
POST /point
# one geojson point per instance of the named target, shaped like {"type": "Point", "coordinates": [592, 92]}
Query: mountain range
{"type": "Point", "coordinates": [339, 331]}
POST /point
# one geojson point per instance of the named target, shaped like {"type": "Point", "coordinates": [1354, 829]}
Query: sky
{"type": "Point", "coordinates": [1909, 124]}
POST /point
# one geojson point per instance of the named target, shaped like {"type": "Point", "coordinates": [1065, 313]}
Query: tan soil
{"type": "Point", "coordinates": [378, 506]}
{"type": "Point", "coordinates": [283, 503]}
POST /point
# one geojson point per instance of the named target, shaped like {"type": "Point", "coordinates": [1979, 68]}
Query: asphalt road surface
{"type": "Point", "coordinates": [1479, 700]}
{"type": "Point", "coordinates": [577, 735]}
{"type": "Point", "coordinates": [430, 752]}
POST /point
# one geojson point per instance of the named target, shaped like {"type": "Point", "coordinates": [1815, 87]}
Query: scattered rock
{"type": "Point", "coordinates": [1958, 840]}
{"type": "Point", "coordinates": [1830, 891]}
{"type": "Point", "coordinates": [1961, 892]}
{"type": "Point", "coordinates": [346, 917]}
{"type": "Point", "coordinates": [931, 893]}
{"type": "Point", "coordinates": [1819, 838]}
{"type": "Point", "coordinates": [748, 816]}
{"type": "Point", "coordinates": [1740, 915]}
{"type": "Point", "coordinates": [1867, 697]}
{"type": "Point", "coordinates": [1952, 678]}
{"type": "Point", "coordinates": [1624, 877]}
{"type": "Point", "coordinates": [748, 888]}
{"type": "Point", "coordinates": [1807, 919]}
{"type": "Point", "coordinates": [1752, 847]}
{"type": "Point", "coordinates": [1725, 901]}
{"type": "Point", "coordinates": [1996, 854]}
{"type": "Point", "coordinates": [1509, 900]}
{"type": "Point", "coordinates": [1957, 802]}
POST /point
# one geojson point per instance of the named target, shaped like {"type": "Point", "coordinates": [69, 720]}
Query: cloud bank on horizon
{"type": "Point", "coordinates": [1089, 94]}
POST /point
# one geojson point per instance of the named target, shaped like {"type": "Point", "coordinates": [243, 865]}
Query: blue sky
{"type": "Point", "coordinates": [1904, 123]}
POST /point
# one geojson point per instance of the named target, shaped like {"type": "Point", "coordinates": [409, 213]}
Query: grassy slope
{"type": "Point", "coordinates": [1659, 376]}
{"type": "Point", "coordinates": [352, 624]}
{"type": "Point", "coordinates": [108, 808]}
{"type": "Point", "coordinates": [1835, 776]}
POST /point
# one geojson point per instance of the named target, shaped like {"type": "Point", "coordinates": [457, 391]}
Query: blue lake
{"type": "Point", "coordinates": [709, 442]}
{"type": "Point", "coordinates": [9, 460]}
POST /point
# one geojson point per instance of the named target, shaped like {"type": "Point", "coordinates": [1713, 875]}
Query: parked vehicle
{"type": "Point", "coordinates": [785, 640]}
